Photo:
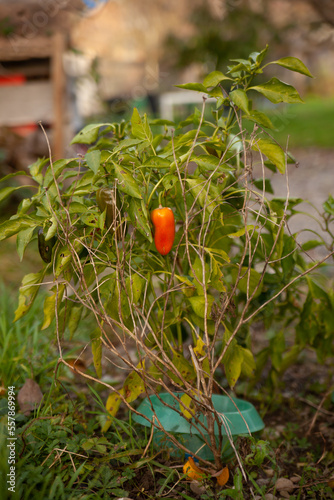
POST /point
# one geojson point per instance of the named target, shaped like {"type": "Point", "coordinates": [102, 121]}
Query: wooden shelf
{"type": "Point", "coordinates": [36, 101]}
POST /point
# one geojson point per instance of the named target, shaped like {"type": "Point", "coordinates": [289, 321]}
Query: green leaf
{"type": "Point", "coordinates": [209, 164]}
{"type": "Point", "coordinates": [93, 159]}
{"type": "Point", "coordinates": [267, 185]}
{"type": "Point", "coordinates": [240, 99]}
{"type": "Point", "coordinates": [7, 191]}
{"type": "Point", "coordinates": [204, 193]}
{"type": "Point", "coordinates": [127, 183]}
{"type": "Point", "coordinates": [199, 306]}
{"type": "Point", "coordinates": [97, 351]}
{"type": "Point", "coordinates": [197, 272]}
{"type": "Point", "coordinates": [232, 360]}
{"type": "Point", "coordinates": [24, 206]}
{"type": "Point", "coordinates": [249, 282]}
{"type": "Point", "coordinates": [218, 251]}
{"type": "Point", "coordinates": [140, 128]}
{"type": "Point", "coordinates": [217, 276]}
{"type": "Point", "coordinates": [156, 162]}
{"type": "Point", "coordinates": [50, 303]}
{"type": "Point", "coordinates": [214, 78]}
{"type": "Point", "coordinates": [14, 174]}
{"type": "Point", "coordinates": [198, 87]}
{"type": "Point", "coordinates": [272, 151]}
{"type": "Point", "coordinates": [15, 225]}
{"type": "Point", "coordinates": [259, 56]}
{"type": "Point", "coordinates": [220, 95]}
{"type": "Point", "coordinates": [28, 291]}
{"type": "Point", "coordinates": [309, 245]}
{"type": "Point", "coordinates": [91, 219]}
{"type": "Point", "coordinates": [139, 218]}
{"type": "Point", "coordinates": [260, 118]}
{"type": "Point", "coordinates": [241, 231]}
{"type": "Point", "coordinates": [243, 65]}
{"type": "Point", "coordinates": [22, 240]}
{"type": "Point", "coordinates": [169, 181]}
{"type": "Point", "coordinates": [52, 174]}
{"type": "Point", "coordinates": [127, 143]}
{"type": "Point", "coordinates": [277, 91]}
{"type": "Point", "coordinates": [77, 208]}
{"type": "Point", "coordinates": [36, 170]}
{"type": "Point", "coordinates": [248, 365]}
{"type": "Point", "coordinates": [64, 257]}
{"type": "Point", "coordinates": [199, 322]}
{"type": "Point", "coordinates": [88, 134]}
{"type": "Point", "coordinates": [160, 121]}
{"type": "Point", "coordinates": [329, 205]}
{"type": "Point", "coordinates": [293, 64]}
{"type": "Point", "coordinates": [135, 286]}
{"type": "Point", "coordinates": [52, 229]}
{"type": "Point", "coordinates": [74, 319]}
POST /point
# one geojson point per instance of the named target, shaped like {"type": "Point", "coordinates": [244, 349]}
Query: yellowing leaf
{"type": "Point", "coordinates": [273, 152]}
{"type": "Point", "coordinates": [28, 292]}
{"type": "Point", "coordinates": [185, 369]}
{"type": "Point", "coordinates": [186, 402]}
{"type": "Point", "coordinates": [97, 353]}
{"type": "Point", "coordinates": [112, 406]}
{"type": "Point", "coordinates": [50, 306]}
{"type": "Point", "coordinates": [199, 349]}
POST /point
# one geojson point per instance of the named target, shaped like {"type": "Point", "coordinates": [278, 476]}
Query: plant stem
{"type": "Point", "coordinates": [178, 324]}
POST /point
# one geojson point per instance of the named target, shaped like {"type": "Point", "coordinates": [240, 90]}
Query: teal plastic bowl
{"type": "Point", "coordinates": [187, 434]}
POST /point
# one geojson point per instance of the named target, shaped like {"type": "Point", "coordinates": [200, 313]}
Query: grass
{"type": "Point", "coordinates": [61, 453]}
{"type": "Point", "coordinates": [307, 125]}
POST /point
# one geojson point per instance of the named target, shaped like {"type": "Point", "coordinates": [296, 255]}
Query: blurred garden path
{"type": "Point", "coordinates": [312, 178]}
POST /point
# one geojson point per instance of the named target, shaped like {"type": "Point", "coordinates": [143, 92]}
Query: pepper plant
{"type": "Point", "coordinates": [173, 294]}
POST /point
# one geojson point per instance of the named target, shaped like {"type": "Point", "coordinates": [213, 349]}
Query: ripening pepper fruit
{"type": "Point", "coordinates": [164, 229]}
{"type": "Point", "coordinates": [45, 247]}
{"type": "Point", "coordinates": [107, 200]}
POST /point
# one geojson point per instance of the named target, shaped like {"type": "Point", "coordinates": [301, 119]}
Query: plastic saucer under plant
{"type": "Point", "coordinates": [235, 414]}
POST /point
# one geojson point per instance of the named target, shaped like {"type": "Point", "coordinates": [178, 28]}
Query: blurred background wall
{"type": "Point", "coordinates": [68, 62]}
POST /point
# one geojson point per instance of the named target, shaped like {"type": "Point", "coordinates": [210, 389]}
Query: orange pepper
{"type": "Point", "coordinates": [164, 229]}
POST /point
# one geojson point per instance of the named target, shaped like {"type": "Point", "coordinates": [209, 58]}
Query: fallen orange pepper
{"type": "Point", "coordinates": [191, 470]}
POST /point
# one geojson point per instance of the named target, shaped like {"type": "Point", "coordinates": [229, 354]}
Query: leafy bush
{"type": "Point", "coordinates": [186, 314]}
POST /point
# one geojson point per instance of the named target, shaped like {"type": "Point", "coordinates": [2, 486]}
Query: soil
{"type": "Point", "coordinates": [299, 425]}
